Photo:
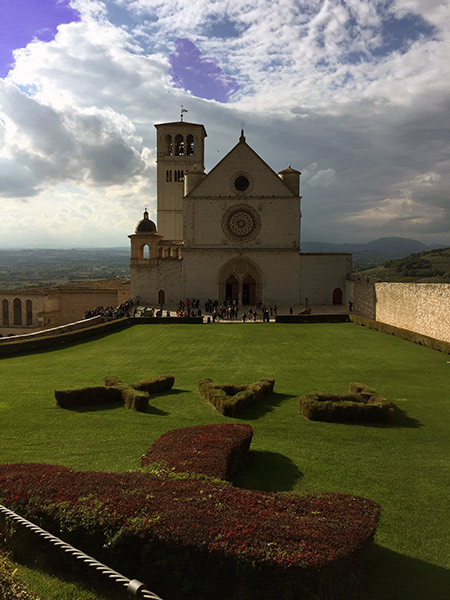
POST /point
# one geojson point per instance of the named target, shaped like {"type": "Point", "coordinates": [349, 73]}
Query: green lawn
{"type": "Point", "coordinates": [404, 467]}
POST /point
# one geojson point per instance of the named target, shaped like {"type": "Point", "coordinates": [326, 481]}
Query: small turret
{"type": "Point", "coordinates": [291, 177]}
{"type": "Point", "coordinates": [191, 179]}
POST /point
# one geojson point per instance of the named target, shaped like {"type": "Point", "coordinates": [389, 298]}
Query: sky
{"type": "Point", "coordinates": [354, 94]}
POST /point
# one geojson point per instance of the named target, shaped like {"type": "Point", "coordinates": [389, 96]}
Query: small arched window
{"type": "Point", "coordinates": [17, 309]}
{"type": "Point", "coordinates": [190, 145]}
{"type": "Point", "coordinates": [179, 145]}
{"type": "Point", "coordinates": [5, 310]}
{"type": "Point", "coordinates": [169, 148]}
{"type": "Point", "coordinates": [29, 312]}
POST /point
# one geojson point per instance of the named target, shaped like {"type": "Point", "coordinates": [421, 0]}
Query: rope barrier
{"type": "Point", "coordinates": [134, 587]}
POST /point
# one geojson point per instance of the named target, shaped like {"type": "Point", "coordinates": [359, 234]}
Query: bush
{"type": "Point", "coordinates": [87, 396]}
{"type": "Point", "coordinates": [134, 399]}
{"type": "Point", "coordinates": [10, 587]}
{"type": "Point", "coordinates": [214, 450]}
{"type": "Point", "coordinates": [230, 399]}
{"type": "Point", "coordinates": [200, 538]}
{"type": "Point", "coordinates": [156, 385]}
{"type": "Point", "coordinates": [361, 405]}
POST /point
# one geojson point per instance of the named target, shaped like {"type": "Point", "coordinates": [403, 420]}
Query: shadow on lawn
{"type": "Point", "coordinates": [393, 576]}
{"type": "Point", "coordinates": [267, 471]}
{"type": "Point", "coordinates": [399, 419]}
{"type": "Point", "coordinates": [263, 406]}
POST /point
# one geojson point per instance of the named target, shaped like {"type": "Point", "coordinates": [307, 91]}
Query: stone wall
{"type": "Point", "coordinates": [419, 307]}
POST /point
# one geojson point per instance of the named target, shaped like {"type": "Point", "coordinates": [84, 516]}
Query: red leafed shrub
{"type": "Point", "coordinates": [215, 450]}
{"type": "Point", "coordinates": [200, 538]}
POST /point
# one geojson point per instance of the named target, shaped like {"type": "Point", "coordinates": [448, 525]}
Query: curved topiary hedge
{"type": "Point", "coordinates": [214, 450]}
{"type": "Point", "coordinates": [134, 396]}
{"type": "Point", "coordinates": [199, 539]}
{"type": "Point", "coordinates": [229, 399]}
{"type": "Point", "coordinates": [360, 405]}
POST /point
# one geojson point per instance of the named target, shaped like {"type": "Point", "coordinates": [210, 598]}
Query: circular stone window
{"type": "Point", "coordinates": [241, 223]}
{"type": "Point", "coordinates": [241, 183]}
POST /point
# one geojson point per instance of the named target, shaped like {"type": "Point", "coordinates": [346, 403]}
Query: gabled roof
{"type": "Point", "coordinates": [253, 160]}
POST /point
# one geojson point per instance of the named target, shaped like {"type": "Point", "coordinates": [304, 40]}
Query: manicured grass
{"type": "Point", "coordinates": [404, 467]}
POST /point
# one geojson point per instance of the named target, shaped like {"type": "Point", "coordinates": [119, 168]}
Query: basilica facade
{"type": "Point", "coordinates": [230, 234]}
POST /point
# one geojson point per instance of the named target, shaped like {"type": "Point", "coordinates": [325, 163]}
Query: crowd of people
{"type": "Point", "coordinates": [226, 311]}
{"type": "Point", "coordinates": [126, 309]}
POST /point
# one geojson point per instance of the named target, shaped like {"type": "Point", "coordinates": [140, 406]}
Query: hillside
{"type": "Point", "coordinates": [432, 266]}
{"type": "Point", "coordinates": [371, 254]}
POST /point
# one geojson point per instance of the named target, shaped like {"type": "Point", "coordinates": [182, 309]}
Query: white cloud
{"type": "Point", "coordinates": [368, 127]}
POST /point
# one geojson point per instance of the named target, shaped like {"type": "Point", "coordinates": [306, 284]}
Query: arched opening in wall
{"type": "Point", "coordinates": [179, 145]}
{"type": "Point", "coordinates": [232, 288]}
{"type": "Point", "coordinates": [248, 290]}
{"type": "Point", "coordinates": [169, 148]}
{"type": "Point", "coordinates": [5, 312]}
{"type": "Point", "coordinates": [190, 145]}
{"type": "Point", "coordinates": [17, 310]}
{"type": "Point", "coordinates": [161, 297]}
{"type": "Point", "coordinates": [160, 252]}
{"type": "Point", "coordinates": [337, 296]}
{"type": "Point", "coordinates": [29, 312]}
{"type": "Point", "coordinates": [146, 252]}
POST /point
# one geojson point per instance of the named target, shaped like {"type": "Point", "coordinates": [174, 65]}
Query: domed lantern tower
{"type": "Point", "coordinates": [144, 243]}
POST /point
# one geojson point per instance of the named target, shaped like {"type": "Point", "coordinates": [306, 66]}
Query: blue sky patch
{"type": "Point", "coordinates": [21, 21]}
{"type": "Point", "coordinates": [199, 74]}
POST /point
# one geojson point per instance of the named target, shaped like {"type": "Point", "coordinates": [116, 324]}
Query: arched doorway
{"type": "Point", "coordinates": [240, 279]}
{"type": "Point", "coordinates": [161, 297]}
{"type": "Point", "coordinates": [248, 290]}
{"type": "Point", "coordinates": [232, 288]}
{"type": "Point", "coordinates": [337, 296]}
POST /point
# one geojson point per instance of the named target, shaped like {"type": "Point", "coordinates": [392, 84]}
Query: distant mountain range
{"type": "Point", "coordinates": [374, 252]}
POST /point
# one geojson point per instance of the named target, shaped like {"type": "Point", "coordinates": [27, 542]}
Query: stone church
{"type": "Point", "coordinates": [230, 234]}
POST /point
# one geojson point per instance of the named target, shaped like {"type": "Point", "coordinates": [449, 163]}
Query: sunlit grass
{"type": "Point", "coordinates": [403, 467]}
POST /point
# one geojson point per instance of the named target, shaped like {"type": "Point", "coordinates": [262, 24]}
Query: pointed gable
{"type": "Point", "coordinates": [244, 163]}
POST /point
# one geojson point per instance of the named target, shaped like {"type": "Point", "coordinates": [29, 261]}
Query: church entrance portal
{"type": "Point", "coordinates": [231, 288]}
{"type": "Point", "coordinates": [249, 290]}
{"type": "Point", "coordinates": [240, 280]}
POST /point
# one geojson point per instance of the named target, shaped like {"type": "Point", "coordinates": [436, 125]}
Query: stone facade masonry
{"type": "Point", "coordinates": [423, 308]}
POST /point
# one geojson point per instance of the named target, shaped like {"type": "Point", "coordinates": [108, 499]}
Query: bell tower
{"type": "Point", "coordinates": [180, 147]}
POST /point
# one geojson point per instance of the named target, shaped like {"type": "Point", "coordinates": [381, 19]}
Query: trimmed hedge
{"type": "Point", "coordinates": [214, 450]}
{"type": "Point", "coordinates": [360, 405]}
{"type": "Point", "coordinates": [88, 396]}
{"type": "Point", "coordinates": [156, 385]}
{"type": "Point", "coordinates": [229, 399]}
{"type": "Point", "coordinates": [192, 538]}
{"type": "Point", "coordinates": [134, 396]}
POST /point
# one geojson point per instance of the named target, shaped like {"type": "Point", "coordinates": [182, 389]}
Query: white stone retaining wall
{"type": "Point", "coordinates": [423, 308]}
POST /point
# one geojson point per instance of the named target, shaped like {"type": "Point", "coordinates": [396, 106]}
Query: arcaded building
{"type": "Point", "coordinates": [230, 234]}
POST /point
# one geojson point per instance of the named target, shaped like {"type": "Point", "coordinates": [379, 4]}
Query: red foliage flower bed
{"type": "Point", "coordinates": [215, 450]}
{"type": "Point", "coordinates": [199, 538]}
